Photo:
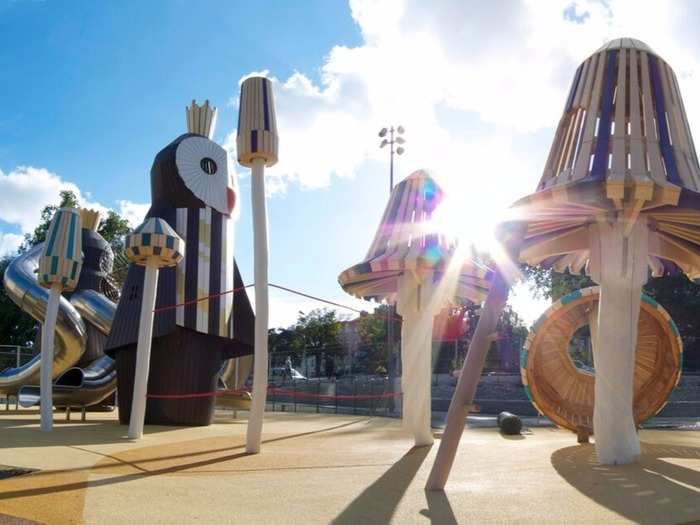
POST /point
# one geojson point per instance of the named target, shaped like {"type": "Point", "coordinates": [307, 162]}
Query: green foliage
{"type": "Point", "coordinates": [16, 327]}
{"type": "Point", "coordinates": [553, 285]}
{"type": "Point", "coordinates": [677, 294]}
{"type": "Point", "coordinates": [68, 200]}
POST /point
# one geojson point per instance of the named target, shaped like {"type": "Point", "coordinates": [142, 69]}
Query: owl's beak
{"type": "Point", "coordinates": [230, 199]}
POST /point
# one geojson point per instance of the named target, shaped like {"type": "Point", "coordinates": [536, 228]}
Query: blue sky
{"type": "Point", "coordinates": [91, 91]}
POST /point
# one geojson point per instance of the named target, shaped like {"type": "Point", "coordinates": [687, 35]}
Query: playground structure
{"type": "Point", "coordinates": [564, 392]}
{"type": "Point", "coordinates": [618, 197]}
{"type": "Point", "coordinates": [257, 143]}
{"type": "Point", "coordinates": [422, 271]}
{"type": "Point", "coordinates": [199, 323]}
{"type": "Point", "coordinates": [83, 375]}
{"type": "Point", "coordinates": [619, 194]}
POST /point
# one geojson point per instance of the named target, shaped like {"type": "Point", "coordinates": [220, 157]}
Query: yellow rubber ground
{"type": "Point", "coordinates": [333, 469]}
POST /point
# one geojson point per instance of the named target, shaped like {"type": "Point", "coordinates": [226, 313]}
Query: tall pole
{"type": "Point", "coordinates": [257, 144]}
{"type": "Point", "coordinates": [391, 361]}
{"type": "Point", "coordinates": [143, 351]}
{"type": "Point", "coordinates": [47, 342]}
{"type": "Point", "coordinates": [260, 363]}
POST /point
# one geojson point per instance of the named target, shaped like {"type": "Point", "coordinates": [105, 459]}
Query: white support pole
{"type": "Point", "coordinates": [143, 350]}
{"type": "Point", "coordinates": [619, 265]}
{"type": "Point", "coordinates": [467, 383]}
{"type": "Point", "coordinates": [257, 409]}
{"type": "Point", "coordinates": [47, 341]}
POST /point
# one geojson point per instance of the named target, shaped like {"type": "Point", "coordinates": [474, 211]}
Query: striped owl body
{"type": "Point", "coordinates": [191, 341]}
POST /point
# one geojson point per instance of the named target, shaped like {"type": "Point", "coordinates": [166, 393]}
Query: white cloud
{"type": "Point", "coordinates": [501, 69]}
{"type": "Point", "coordinates": [9, 242]}
{"type": "Point", "coordinates": [26, 190]}
{"type": "Point", "coordinates": [478, 86]}
{"type": "Point", "coordinates": [133, 212]}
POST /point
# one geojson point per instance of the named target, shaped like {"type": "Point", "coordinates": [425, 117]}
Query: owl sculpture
{"type": "Point", "coordinates": [194, 191]}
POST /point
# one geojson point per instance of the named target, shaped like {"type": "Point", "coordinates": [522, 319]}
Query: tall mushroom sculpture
{"type": "Point", "coordinates": [59, 270]}
{"type": "Point", "coordinates": [257, 145]}
{"type": "Point", "coordinates": [619, 199]}
{"type": "Point", "coordinates": [419, 269]}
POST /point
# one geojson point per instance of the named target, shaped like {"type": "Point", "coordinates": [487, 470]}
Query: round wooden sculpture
{"type": "Point", "coordinates": [564, 393]}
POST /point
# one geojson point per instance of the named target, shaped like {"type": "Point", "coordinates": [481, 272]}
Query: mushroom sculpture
{"type": "Point", "coordinates": [257, 145]}
{"type": "Point", "coordinates": [419, 269]}
{"type": "Point", "coordinates": [154, 245]}
{"type": "Point", "coordinates": [619, 198]}
{"type": "Point", "coordinates": [59, 269]}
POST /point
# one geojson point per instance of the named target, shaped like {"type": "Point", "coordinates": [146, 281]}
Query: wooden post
{"type": "Point", "coordinates": [467, 383]}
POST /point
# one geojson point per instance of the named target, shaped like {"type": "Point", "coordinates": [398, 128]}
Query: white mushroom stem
{"type": "Point", "coordinates": [257, 409]}
{"type": "Point", "coordinates": [619, 264]}
{"type": "Point", "coordinates": [417, 303]}
{"type": "Point", "coordinates": [48, 331]}
{"type": "Point", "coordinates": [143, 350]}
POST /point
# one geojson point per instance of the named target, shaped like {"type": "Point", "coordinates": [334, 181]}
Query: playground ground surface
{"type": "Point", "coordinates": [321, 468]}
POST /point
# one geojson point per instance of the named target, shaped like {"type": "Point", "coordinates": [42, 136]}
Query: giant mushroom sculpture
{"type": "Point", "coordinates": [618, 197]}
{"type": "Point", "coordinates": [421, 270]}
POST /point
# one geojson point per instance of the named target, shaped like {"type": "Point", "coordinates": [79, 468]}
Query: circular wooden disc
{"type": "Point", "coordinates": [564, 393]}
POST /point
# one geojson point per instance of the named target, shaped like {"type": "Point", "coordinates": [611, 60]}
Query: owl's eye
{"type": "Point", "coordinates": [203, 167]}
{"type": "Point", "coordinates": [208, 165]}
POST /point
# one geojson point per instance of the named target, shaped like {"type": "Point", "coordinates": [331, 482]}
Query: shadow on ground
{"type": "Point", "coordinates": [378, 502]}
{"type": "Point", "coordinates": [654, 490]}
{"type": "Point", "coordinates": [57, 481]}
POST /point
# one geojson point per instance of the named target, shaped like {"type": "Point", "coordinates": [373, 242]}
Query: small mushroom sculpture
{"type": "Point", "coordinates": [59, 270]}
{"type": "Point", "coordinates": [154, 245]}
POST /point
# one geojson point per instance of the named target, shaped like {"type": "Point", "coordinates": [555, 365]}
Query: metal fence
{"type": "Point", "coordinates": [346, 395]}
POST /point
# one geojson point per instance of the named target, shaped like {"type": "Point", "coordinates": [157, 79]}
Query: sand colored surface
{"type": "Point", "coordinates": [333, 469]}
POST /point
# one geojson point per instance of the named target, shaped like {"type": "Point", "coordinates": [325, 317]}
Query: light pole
{"type": "Point", "coordinates": [391, 141]}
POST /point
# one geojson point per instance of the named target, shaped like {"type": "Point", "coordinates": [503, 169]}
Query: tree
{"type": "Point", "coordinates": [68, 200]}
{"type": "Point", "coordinates": [676, 293]}
{"type": "Point", "coordinates": [114, 228]}
{"type": "Point", "coordinates": [17, 327]}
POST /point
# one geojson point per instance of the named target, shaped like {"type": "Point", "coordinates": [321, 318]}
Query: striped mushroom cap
{"type": "Point", "coordinates": [257, 123]}
{"type": "Point", "coordinates": [62, 259]}
{"type": "Point", "coordinates": [155, 240]}
{"type": "Point", "coordinates": [405, 241]}
{"type": "Point", "coordinates": [623, 148]}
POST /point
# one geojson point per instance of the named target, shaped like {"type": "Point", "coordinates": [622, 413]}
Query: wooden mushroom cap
{"type": "Point", "coordinates": [257, 124]}
{"type": "Point", "coordinates": [62, 257]}
{"type": "Point", "coordinates": [154, 240]}
{"type": "Point", "coordinates": [405, 242]}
